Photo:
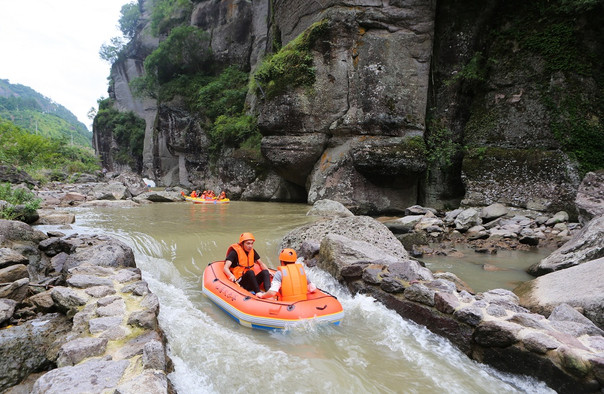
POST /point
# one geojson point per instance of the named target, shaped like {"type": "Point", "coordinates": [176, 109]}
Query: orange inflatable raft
{"type": "Point", "coordinates": [267, 314]}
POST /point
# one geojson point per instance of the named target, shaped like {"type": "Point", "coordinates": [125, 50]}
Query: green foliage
{"type": "Point", "coordinates": [557, 45]}
{"type": "Point", "coordinates": [292, 66]}
{"type": "Point", "coordinates": [440, 146]}
{"type": "Point", "coordinates": [576, 6]}
{"type": "Point", "coordinates": [169, 13]}
{"type": "Point", "coordinates": [186, 51]}
{"type": "Point", "coordinates": [38, 114]}
{"type": "Point", "coordinates": [128, 131]}
{"type": "Point", "coordinates": [475, 71]}
{"type": "Point", "coordinates": [128, 22]}
{"type": "Point", "coordinates": [225, 95]}
{"type": "Point", "coordinates": [33, 152]}
{"type": "Point", "coordinates": [111, 52]}
{"type": "Point", "coordinates": [232, 131]}
{"type": "Point", "coordinates": [580, 131]}
{"type": "Point", "coordinates": [17, 196]}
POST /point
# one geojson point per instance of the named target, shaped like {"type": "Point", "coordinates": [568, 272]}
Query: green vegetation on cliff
{"type": "Point", "coordinates": [291, 66]}
{"type": "Point", "coordinates": [128, 131]}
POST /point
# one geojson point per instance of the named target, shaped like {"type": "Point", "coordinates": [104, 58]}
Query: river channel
{"type": "Point", "coordinates": [373, 350]}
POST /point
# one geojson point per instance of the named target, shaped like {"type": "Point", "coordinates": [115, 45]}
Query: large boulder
{"type": "Point", "coordinates": [355, 228]}
{"type": "Point", "coordinates": [30, 347]}
{"type": "Point", "coordinates": [590, 196]}
{"type": "Point", "coordinates": [580, 286]}
{"type": "Point", "coordinates": [586, 245]}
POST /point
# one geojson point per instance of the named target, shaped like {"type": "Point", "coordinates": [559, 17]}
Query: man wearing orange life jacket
{"type": "Point", "coordinates": [243, 265]}
{"type": "Point", "coordinates": [290, 279]}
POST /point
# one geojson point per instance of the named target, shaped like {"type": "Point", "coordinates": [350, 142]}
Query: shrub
{"type": "Point", "coordinates": [17, 196]}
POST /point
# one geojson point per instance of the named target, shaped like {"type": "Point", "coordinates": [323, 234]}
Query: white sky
{"type": "Point", "coordinates": [52, 46]}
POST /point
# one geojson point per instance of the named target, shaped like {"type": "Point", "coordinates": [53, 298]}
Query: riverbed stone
{"type": "Point", "coordinates": [93, 376]}
{"type": "Point", "coordinates": [85, 281]}
{"type": "Point", "coordinates": [10, 257]}
{"type": "Point", "coordinates": [493, 211]}
{"type": "Point", "coordinates": [446, 302]}
{"type": "Point", "coordinates": [496, 333]}
{"type": "Point", "coordinates": [100, 291]}
{"type": "Point", "coordinates": [13, 273]}
{"type": "Point", "coordinates": [420, 293]}
{"type": "Point", "coordinates": [470, 315]}
{"type": "Point", "coordinates": [7, 309]}
{"type": "Point", "coordinates": [329, 208]}
{"type": "Point", "coordinates": [78, 349]}
{"type": "Point", "coordinates": [100, 324]}
{"type": "Point", "coordinates": [540, 342]}
{"type": "Point", "coordinates": [543, 294]}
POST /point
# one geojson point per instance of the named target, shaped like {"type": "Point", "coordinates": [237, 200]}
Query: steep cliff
{"type": "Point", "coordinates": [380, 105]}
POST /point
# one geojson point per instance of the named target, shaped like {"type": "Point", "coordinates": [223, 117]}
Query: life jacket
{"type": "Point", "coordinates": [294, 284]}
{"type": "Point", "coordinates": [245, 261]}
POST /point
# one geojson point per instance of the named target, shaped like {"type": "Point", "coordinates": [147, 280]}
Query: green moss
{"type": "Point", "coordinates": [291, 67]}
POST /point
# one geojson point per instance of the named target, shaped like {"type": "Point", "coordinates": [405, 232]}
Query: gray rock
{"type": "Point", "coordinates": [105, 252]}
{"type": "Point", "coordinates": [74, 351]}
{"type": "Point", "coordinates": [531, 320]}
{"type": "Point", "coordinates": [145, 319]}
{"type": "Point", "coordinates": [93, 376]}
{"type": "Point", "coordinates": [403, 225]}
{"type": "Point", "coordinates": [446, 302]}
{"type": "Point", "coordinates": [392, 285]}
{"type": "Point", "coordinates": [9, 257]}
{"type": "Point", "coordinates": [543, 294]}
{"type": "Point", "coordinates": [590, 196]}
{"type": "Point", "coordinates": [101, 324]}
{"type": "Point", "coordinates": [329, 208]}
{"type": "Point", "coordinates": [85, 281]}
{"type": "Point", "coordinates": [586, 245]}
{"type": "Point", "coordinates": [559, 217]}
{"type": "Point", "coordinates": [496, 333]}
{"type": "Point", "coordinates": [466, 219]}
{"type": "Point", "coordinates": [67, 298]}
{"type": "Point", "coordinates": [138, 288]}
{"type": "Point", "coordinates": [493, 211]}
{"type": "Point", "coordinates": [145, 382]}
{"type": "Point", "coordinates": [408, 270]}
{"type": "Point", "coordinates": [470, 315]}
{"type": "Point", "coordinates": [100, 291]}
{"type": "Point", "coordinates": [7, 309]}
{"type": "Point", "coordinates": [420, 293]}
{"type": "Point", "coordinates": [154, 356]}
{"type": "Point", "coordinates": [540, 342]}
{"type": "Point", "coordinates": [29, 346]}
{"type": "Point", "coordinates": [16, 290]}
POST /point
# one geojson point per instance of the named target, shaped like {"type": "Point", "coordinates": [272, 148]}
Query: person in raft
{"type": "Point", "coordinates": [290, 279]}
{"type": "Point", "coordinates": [243, 265]}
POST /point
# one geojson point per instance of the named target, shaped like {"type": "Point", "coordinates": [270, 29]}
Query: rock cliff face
{"type": "Point", "coordinates": [399, 88]}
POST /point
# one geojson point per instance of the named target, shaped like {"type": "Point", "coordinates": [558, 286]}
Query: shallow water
{"type": "Point", "coordinates": [373, 350]}
{"type": "Point", "coordinates": [506, 269]}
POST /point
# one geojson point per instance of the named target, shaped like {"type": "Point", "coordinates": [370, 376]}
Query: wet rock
{"type": "Point", "coordinates": [559, 217]}
{"type": "Point", "coordinates": [373, 273]}
{"type": "Point", "coordinates": [16, 290]}
{"type": "Point", "coordinates": [154, 356]}
{"type": "Point", "coordinates": [420, 293]}
{"type": "Point", "coordinates": [392, 285]}
{"type": "Point", "coordinates": [446, 302]}
{"type": "Point", "coordinates": [470, 315]}
{"type": "Point", "coordinates": [467, 218]}
{"type": "Point", "coordinates": [496, 333]}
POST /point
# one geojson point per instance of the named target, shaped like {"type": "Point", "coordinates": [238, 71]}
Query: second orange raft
{"type": "Point", "coordinates": [268, 314]}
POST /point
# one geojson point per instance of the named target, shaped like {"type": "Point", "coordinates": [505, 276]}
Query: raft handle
{"type": "Point", "coordinates": [321, 308]}
{"type": "Point", "coordinates": [290, 307]}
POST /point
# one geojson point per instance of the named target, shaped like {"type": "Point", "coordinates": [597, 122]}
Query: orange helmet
{"type": "Point", "coordinates": [288, 256]}
{"type": "Point", "coordinates": [245, 237]}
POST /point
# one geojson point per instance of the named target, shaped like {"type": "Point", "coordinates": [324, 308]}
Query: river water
{"type": "Point", "coordinates": [373, 350]}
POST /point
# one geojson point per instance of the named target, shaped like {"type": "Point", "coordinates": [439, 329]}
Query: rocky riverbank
{"type": "Point", "coordinates": [83, 317]}
{"type": "Point", "coordinates": [561, 346]}
{"type": "Point", "coordinates": [76, 316]}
